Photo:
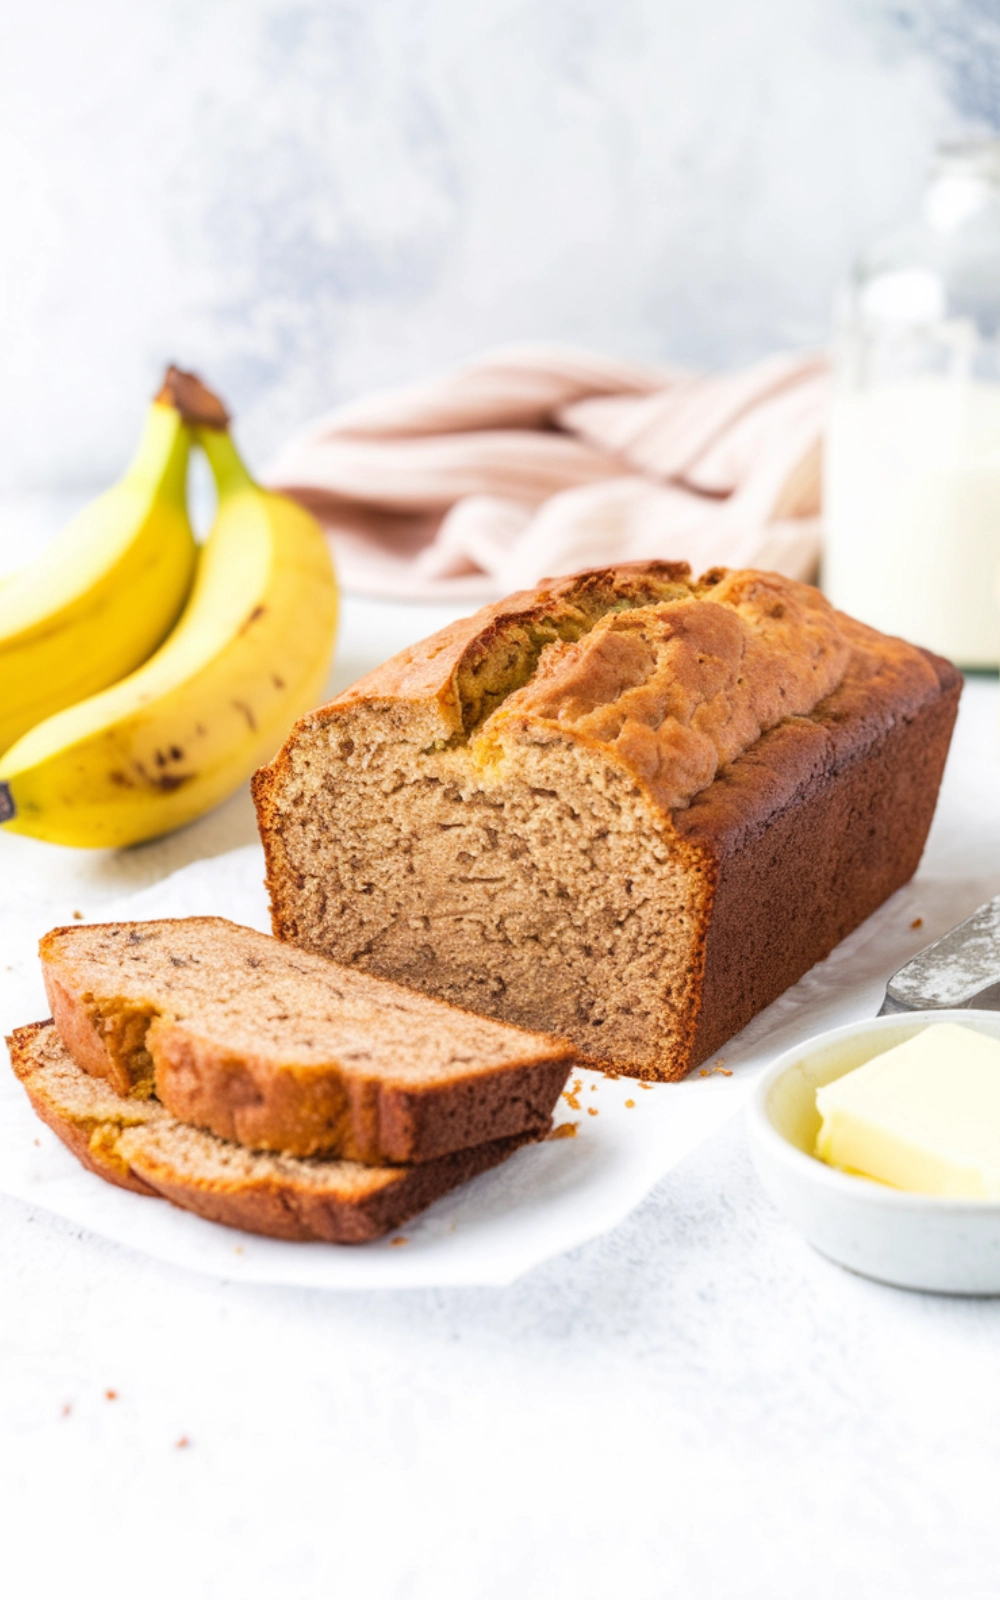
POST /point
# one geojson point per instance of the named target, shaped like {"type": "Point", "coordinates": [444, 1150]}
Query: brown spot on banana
{"type": "Point", "coordinates": [167, 782]}
{"type": "Point", "coordinates": [163, 782]}
{"type": "Point", "coordinates": [258, 611]}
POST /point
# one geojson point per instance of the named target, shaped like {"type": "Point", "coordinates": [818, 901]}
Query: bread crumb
{"type": "Point", "coordinates": [400, 1239]}
{"type": "Point", "coordinates": [592, 1111]}
{"type": "Point", "coordinates": [237, 1249]}
{"type": "Point", "coordinates": [647, 1086]}
{"type": "Point", "coordinates": [571, 1096]}
{"type": "Point", "coordinates": [67, 1409]}
{"type": "Point", "coordinates": [593, 1088]}
{"type": "Point", "coordinates": [111, 1394]}
{"type": "Point", "coordinates": [183, 1443]}
{"type": "Point", "coordinates": [565, 1130]}
{"type": "Point", "coordinates": [77, 916]}
{"type": "Point", "coordinates": [630, 1105]}
{"type": "Point", "coordinates": [38, 1142]}
{"type": "Point", "coordinates": [720, 1067]}
{"type": "Point", "coordinates": [917, 922]}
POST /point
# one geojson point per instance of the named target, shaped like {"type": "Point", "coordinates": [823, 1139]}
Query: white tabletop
{"type": "Point", "coordinates": [696, 1405]}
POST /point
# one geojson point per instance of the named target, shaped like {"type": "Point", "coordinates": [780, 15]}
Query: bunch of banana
{"type": "Point", "coordinates": [248, 655]}
{"type": "Point", "coordinates": [107, 591]}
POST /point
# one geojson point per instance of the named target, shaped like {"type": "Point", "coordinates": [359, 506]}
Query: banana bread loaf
{"type": "Point", "coordinates": [629, 807]}
{"type": "Point", "coordinates": [138, 1145]}
{"type": "Point", "coordinates": [278, 1049]}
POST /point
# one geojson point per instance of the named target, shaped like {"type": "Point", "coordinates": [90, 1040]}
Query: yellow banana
{"type": "Point", "coordinates": [106, 591]}
{"type": "Point", "coordinates": [249, 654]}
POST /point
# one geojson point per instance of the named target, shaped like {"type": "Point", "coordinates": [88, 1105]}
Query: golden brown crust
{"type": "Point", "coordinates": [300, 1212]}
{"type": "Point", "coordinates": [118, 1026]}
{"type": "Point", "coordinates": [670, 678]}
{"type": "Point", "coordinates": [808, 838]}
{"type": "Point", "coordinates": [426, 672]}
{"type": "Point", "coordinates": [139, 1146]}
{"type": "Point", "coordinates": [269, 1105]}
{"type": "Point", "coordinates": [675, 691]}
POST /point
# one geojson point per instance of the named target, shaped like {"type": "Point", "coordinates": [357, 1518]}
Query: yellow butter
{"type": "Point", "coordinates": [924, 1116]}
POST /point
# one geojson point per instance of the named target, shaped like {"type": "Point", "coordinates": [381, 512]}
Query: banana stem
{"type": "Point", "coordinates": [206, 417]}
{"type": "Point", "coordinates": [227, 469]}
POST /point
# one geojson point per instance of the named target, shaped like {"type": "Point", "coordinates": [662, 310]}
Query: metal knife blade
{"type": "Point", "coordinates": [958, 971]}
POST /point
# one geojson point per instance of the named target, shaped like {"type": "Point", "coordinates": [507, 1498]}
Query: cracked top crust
{"type": "Point", "coordinates": [674, 678]}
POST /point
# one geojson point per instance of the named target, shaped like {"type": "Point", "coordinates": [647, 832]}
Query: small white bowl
{"type": "Point", "coordinates": [914, 1241]}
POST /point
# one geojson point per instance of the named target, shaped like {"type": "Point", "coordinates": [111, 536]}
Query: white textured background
{"type": "Point", "coordinates": [309, 197]}
{"type": "Point", "coordinates": [696, 1408]}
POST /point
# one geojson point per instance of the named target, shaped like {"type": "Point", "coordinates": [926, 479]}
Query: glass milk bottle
{"type": "Point", "coordinates": [912, 459]}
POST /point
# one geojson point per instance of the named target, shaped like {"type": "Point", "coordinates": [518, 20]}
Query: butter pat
{"type": "Point", "coordinates": [924, 1116]}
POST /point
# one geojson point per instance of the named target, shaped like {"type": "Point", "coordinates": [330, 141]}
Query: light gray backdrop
{"type": "Point", "coordinates": [305, 198]}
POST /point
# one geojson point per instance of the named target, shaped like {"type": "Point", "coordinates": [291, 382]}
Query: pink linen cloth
{"type": "Point", "coordinates": [538, 460]}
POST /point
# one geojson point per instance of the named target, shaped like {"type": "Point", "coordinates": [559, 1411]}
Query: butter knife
{"type": "Point", "coordinates": [960, 970]}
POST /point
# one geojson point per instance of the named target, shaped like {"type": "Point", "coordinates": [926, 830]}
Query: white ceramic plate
{"type": "Point", "coordinates": [913, 1241]}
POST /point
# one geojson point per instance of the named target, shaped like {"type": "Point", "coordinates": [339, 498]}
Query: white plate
{"type": "Point", "coordinates": [913, 1241]}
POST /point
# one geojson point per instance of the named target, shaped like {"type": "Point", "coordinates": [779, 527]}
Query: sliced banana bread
{"type": "Point", "coordinates": [278, 1049]}
{"type": "Point", "coordinates": [138, 1145]}
{"type": "Point", "coordinates": [630, 807]}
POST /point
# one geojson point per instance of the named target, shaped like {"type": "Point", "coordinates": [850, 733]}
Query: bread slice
{"type": "Point", "coordinates": [138, 1145]}
{"type": "Point", "coordinates": [277, 1049]}
{"type": "Point", "coordinates": [629, 806]}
